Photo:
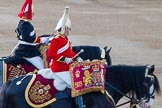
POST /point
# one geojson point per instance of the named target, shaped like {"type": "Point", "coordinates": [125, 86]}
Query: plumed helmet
{"type": "Point", "coordinates": [26, 9]}
{"type": "Point", "coordinates": [25, 31]}
{"type": "Point", "coordinates": [64, 21]}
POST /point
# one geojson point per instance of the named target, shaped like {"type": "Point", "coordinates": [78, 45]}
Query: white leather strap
{"type": "Point", "coordinates": [64, 48]}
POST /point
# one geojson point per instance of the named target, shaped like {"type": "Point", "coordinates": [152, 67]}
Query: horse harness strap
{"type": "Point", "coordinates": [117, 90]}
{"type": "Point", "coordinates": [133, 100]}
{"type": "Point", "coordinates": [152, 93]}
{"type": "Point", "coordinates": [79, 102]}
{"type": "Point", "coordinates": [109, 96]}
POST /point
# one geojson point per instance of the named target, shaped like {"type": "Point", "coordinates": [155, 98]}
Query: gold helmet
{"type": "Point", "coordinates": [64, 21]}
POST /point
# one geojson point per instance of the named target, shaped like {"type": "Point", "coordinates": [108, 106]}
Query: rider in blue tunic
{"type": "Point", "coordinates": [27, 40]}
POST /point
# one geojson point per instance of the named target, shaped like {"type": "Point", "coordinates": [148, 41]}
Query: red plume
{"type": "Point", "coordinates": [26, 8]}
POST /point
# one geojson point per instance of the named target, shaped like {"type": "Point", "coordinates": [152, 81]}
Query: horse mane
{"type": "Point", "coordinates": [157, 85]}
{"type": "Point", "coordinates": [131, 78]}
{"type": "Point", "coordinates": [93, 49]}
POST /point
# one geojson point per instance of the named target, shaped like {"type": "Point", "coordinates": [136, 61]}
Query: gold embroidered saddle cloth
{"type": "Point", "coordinates": [87, 76]}
{"type": "Point", "coordinates": [12, 70]}
{"type": "Point", "coordinates": [40, 92]}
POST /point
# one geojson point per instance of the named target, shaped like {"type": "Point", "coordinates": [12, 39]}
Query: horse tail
{"type": "Point", "coordinates": [157, 85]}
{"type": "Point", "coordinates": [3, 95]}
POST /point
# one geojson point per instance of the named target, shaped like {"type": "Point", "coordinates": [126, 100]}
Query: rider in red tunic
{"type": "Point", "coordinates": [61, 54]}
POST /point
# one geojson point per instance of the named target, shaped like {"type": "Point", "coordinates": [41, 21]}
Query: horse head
{"type": "Point", "coordinates": [137, 81]}
{"type": "Point", "coordinates": [152, 86]}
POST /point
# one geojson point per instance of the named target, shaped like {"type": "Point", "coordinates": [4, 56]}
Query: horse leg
{"type": "Point", "coordinates": [3, 96]}
{"type": "Point", "coordinates": [1, 71]}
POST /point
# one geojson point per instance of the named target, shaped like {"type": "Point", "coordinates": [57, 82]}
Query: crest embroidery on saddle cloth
{"type": "Point", "coordinates": [87, 76]}
{"type": "Point", "coordinates": [40, 92]}
{"type": "Point", "coordinates": [13, 70]}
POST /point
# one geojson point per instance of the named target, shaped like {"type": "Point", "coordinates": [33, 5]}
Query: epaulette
{"type": "Point", "coordinates": [56, 37]}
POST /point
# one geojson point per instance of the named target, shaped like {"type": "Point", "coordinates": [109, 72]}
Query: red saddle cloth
{"type": "Point", "coordinates": [40, 92]}
{"type": "Point", "coordinates": [87, 76]}
{"type": "Point", "coordinates": [12, 70]}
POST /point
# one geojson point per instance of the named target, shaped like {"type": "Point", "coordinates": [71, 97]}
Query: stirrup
{"type": "Point", "coordinates": [79, 102]}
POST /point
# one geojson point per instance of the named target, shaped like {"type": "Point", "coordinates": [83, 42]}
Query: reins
{"type": "Point", "coordinates": [132, 99]}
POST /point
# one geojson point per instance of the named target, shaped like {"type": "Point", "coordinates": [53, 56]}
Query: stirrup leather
{"type": "Point", "coordinates": [79, 102]}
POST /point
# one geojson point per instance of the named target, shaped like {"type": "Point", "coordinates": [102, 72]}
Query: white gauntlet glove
{"type": "Point", "coordinates": [44, 40]}
{"type": "Point", "coordinates": [79, 59]}
{"type": "Point", "coordinates": [68, 60]}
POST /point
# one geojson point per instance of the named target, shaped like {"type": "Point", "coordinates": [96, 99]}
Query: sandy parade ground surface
{"type": "Point", "coordinates": [131, 27]}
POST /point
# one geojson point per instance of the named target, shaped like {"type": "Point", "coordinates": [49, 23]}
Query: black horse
{"type": "Point", "coordinates": [94, 52]}
{"type": "Point", "coordinates": [139, 82]}
{"type": "Point", "coordinates": [12, 96]}
{"type": "Point", "coordinates": [120, 80]}
{"type": "Point", "coordinates": [90, 52]}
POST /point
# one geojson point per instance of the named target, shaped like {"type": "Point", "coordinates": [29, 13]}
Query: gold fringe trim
{"type": "Point", "coordinates": [4, 79]}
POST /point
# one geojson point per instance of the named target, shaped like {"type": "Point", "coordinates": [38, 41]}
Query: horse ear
{"type": "Point", "coordinates": [108, 50]}
{"type": "Point", "coordinates": [152, 68]}
{"type": "Point", "coordinates": [105, 48]}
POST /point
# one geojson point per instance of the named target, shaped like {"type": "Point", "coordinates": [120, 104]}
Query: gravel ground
{"type": "Point", "coordinates": [131, 27]}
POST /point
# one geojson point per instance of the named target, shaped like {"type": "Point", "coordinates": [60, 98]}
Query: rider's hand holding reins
{"type": "Point", "coordinates": [78, 59]}
{"type": "Point", "coordinates": [44, 40]}
{"type": "Point", "coordinates": [68, 60]}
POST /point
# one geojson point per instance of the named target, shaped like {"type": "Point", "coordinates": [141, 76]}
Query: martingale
{"type": "Point", "coordinates": [87, 76]}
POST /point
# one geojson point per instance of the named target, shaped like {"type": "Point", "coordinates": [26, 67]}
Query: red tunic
{"type": "Point", "coordinates": [59, 49]}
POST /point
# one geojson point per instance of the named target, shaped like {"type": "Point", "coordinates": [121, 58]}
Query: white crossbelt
{"type": "Point", "coordinates": [64, 48]}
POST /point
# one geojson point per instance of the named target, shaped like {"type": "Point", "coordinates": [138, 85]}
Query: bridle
{"type": "Point", "coordinates": [133, 100]}
{"type": "Point", "coordinates": [148, 100]}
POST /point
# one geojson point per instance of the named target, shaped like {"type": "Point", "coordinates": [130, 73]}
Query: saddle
{"type": "Point", "coordinates": [15, 66]}
{"type": "Point", "coordinates": [15, 59]}
{"type": "Point", "coordinates": [40, 92]}
{"type": "Point", "coordinates": [87, 76]}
